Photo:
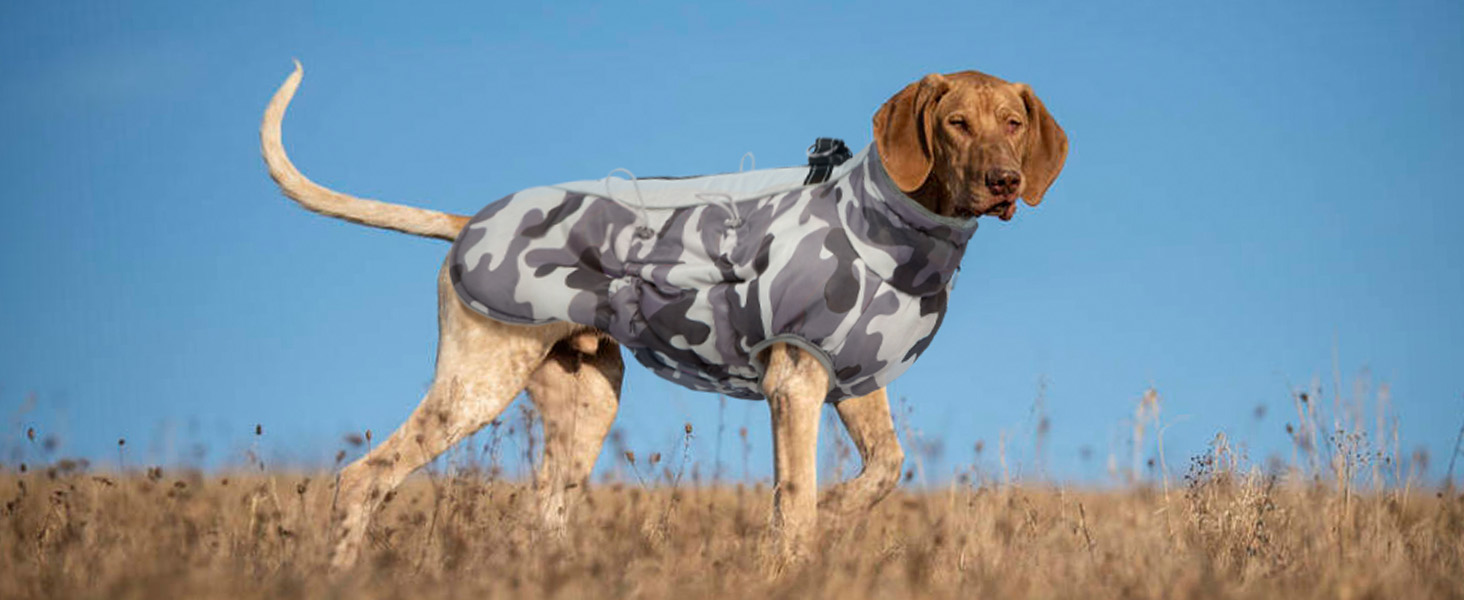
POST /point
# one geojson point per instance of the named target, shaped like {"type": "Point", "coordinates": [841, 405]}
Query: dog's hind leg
{"type": "Point", "coordinates": [577, 395]}
{"type": "Point", "coordinates": [481, 366]}
{"type": "Point", "coordinates": [867, 418]}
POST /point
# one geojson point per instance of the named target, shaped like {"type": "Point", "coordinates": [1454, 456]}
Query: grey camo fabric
{"type": "Point", "coordinates": [696, 276]}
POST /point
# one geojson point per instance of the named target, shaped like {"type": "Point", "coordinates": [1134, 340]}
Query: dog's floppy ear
{"type": "Point", "coordinates": [1047, 148]}
{"type": "Point", "coordinates": [902, 131]}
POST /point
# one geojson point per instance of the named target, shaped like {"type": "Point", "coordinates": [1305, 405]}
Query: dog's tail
{"type": "Point", "coordinates": [397, 217]}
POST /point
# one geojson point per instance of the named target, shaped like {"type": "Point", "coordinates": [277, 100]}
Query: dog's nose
{"type": "Point", "coordinates": [1003, 182]}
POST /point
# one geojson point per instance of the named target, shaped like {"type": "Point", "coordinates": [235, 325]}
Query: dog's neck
{"type": "Point", "coordinates": [934, 196]}
{"type": "Point", "coordinates": [928, 208]}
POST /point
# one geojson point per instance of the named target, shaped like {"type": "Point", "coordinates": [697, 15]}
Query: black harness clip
{"type": "Point", "coordinates": [823, 156]}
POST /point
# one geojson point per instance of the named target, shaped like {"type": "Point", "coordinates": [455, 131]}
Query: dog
{"type": "Point", "coordinates": [948, 149]}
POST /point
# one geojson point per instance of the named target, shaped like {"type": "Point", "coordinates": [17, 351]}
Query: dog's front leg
{"type": "Point", "coordinates": [795, 384]}
{"type": "Point", "coordinates": [870, 426]}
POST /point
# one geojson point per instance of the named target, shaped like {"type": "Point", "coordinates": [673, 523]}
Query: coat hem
{"type": "Point", "coordinates": [819, 354]}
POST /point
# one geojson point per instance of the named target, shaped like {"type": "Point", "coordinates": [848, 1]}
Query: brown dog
{"type": "Point", "coordinates": [962, 145]}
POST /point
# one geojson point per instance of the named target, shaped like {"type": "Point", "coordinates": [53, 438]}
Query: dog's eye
{"type": "Point", "coordinates": [1013, 125]}
{"type": "Point", "coordinates": [959, 122]}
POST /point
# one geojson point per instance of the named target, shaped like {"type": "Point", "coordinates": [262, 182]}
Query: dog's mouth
{"type": "Point", "coordinates": [979, 204]}
{"type": "Point", "coordinates": [1004, 209]}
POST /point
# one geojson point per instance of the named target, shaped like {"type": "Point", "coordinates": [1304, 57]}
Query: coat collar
{"type": "Point", "coordinates": [882, 189]}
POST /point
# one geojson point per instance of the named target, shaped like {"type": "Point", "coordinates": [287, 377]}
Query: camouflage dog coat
{"type": "Point", "coordinates": [696, 276]}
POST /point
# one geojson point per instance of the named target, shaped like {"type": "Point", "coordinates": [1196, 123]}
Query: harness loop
{"type": "Point", "coordinates": [746, 158]}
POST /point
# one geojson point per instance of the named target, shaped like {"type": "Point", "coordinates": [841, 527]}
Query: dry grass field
{"type": "Point", "coordinates": [1343, 517]}
{"type": "Point", "coordinates": [1223, 531]}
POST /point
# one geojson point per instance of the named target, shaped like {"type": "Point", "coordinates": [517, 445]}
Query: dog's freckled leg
{"type": "Point", "coordinates": [363, 483]}
{"type": "Point", "coordinates": [795, 387]}
{"type": "Point", "coordinates": [577, 396]}
{"type": "Point", "coordinates": [481, 365]}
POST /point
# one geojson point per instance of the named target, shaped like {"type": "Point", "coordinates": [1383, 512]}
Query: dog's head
{"type": "Point", "coordinates": [968, 144]}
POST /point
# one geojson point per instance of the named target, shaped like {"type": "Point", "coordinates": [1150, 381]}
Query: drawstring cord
{"type": "Point", "coordinates": [724, 200]}
{"type": "Point", "coordinates": [736, 221]}
{"type": "Point", "coordinates": [726, 203]}
{"type": "Point", "coordinates": [644, 230]}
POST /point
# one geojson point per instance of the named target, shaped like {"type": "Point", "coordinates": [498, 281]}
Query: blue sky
{"type": "Point", "coordinates": [1259, 199]}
